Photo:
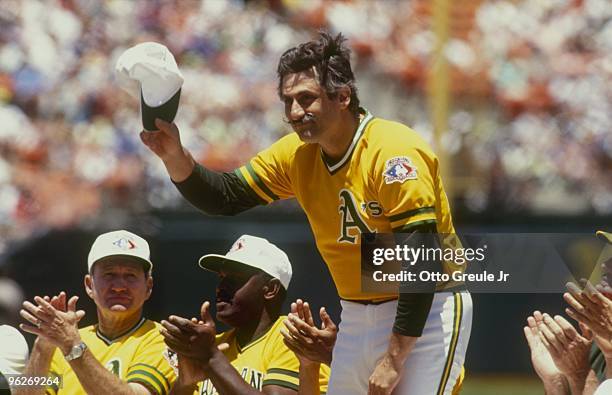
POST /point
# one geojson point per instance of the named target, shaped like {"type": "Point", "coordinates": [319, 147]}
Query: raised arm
{"type": "Point", "coordinates": [212, 192]}
{"type": "Point", "coordinates": [166, 144]}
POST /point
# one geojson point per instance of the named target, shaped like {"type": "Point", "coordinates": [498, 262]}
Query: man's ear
{"type": "Point", "coordinates": [88, 281]}
{"type": "Point", "coordinates": [344, 97]}
{"type": "Point", "coordinates": [271, 289]}
{"type": "Point", "coordinates": [149, 281]}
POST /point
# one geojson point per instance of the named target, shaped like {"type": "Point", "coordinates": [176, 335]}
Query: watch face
{"type": "Point", "coordinates": [77, 351]}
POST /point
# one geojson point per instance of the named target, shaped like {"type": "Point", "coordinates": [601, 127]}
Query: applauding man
{"type": "Point", "coordinates": [254, 276]}
{"type": "Point", "coordinates": [123, 353]}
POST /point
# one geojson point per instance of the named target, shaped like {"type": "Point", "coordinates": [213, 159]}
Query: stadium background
{"type": "Point", "coordinates": [516, 97]}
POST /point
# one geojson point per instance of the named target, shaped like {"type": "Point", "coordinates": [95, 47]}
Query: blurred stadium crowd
{"type": "Point", "coordinates": [531, 83]}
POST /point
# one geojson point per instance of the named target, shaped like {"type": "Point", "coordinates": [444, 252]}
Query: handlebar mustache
{"type": "Point", "coordinates": [308, 117]}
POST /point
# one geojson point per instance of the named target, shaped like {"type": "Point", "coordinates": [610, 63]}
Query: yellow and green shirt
{"type": "Point", "coordinates": [388, 181]}
{"type": "Point", "coordinates": [135, 357]}
{"type": "Point", "coordinates": [264, 361]}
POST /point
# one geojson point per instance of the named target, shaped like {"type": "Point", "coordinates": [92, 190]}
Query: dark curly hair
{"type": "Point", "coordinates": [332, 60]}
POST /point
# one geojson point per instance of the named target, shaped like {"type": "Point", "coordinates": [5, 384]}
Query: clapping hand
{"type": "Point", "coordinates": [54, 320]}
{"type": "Point", "coordinates": [301, 335]}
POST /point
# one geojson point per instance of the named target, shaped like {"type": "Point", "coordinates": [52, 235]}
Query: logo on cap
{"type": "Point", "coordinates": [255, 252]}
{"type": "Point", "coordinates": [124, 244]}
{"type": "Point", "coordinates": [119, 243]}
{"type": "Point", "coordinates": [238, 245]}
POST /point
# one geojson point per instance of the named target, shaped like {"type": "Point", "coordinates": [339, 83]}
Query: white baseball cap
{"type": "Point", "coordinates": [254, 252]}
{"type": "Point", "coordinates": [150, 69]}
{"type": "Point", "coordinates": [14, 356]}
{"type": "Point", "coordinates": [604, 388]}
{"type": "Point", "coordinates": [120, 243]}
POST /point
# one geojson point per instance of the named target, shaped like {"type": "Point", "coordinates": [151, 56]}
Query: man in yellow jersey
{"type": "Point", "coordinates": [352, 173]}
{"type": "Point", "coordinates": [123, 353]}
{"type": "Point", "coordinates": [253, 280]}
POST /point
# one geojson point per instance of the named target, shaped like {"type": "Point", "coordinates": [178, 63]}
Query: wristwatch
{"type": "Point", "coordinates": [76, 351]}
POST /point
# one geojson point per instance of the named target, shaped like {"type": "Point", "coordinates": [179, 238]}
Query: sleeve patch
{"type": "Point", "coordinates": [399, 169]}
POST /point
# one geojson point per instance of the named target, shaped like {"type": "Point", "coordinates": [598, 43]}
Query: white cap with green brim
{"type": "Point", "coordinates": [150, 69]}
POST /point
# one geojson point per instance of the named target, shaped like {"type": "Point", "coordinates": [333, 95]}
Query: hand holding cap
{"type": "Point", "coordinates": [150, 69]}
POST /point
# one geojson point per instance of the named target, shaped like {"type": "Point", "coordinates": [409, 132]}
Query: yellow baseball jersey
{"type": "Point", "coordinates": [264, 361]}
{"type": "Point", "coordinates": [135, 357]}
{"type": "Point", "coordinates": [388, 181]}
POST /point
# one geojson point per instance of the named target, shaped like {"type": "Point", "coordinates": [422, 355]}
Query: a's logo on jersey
{"type": "Point", "coordinates": [399, 169]}
{"type": "Point", "coordinates": [373, 208]}
{"type": "Point", "coordinates": [124, 244]}
{"type": "Point", "coordinates": [114, 366]}
{"type": "Point", "coordinates": [351, 223]}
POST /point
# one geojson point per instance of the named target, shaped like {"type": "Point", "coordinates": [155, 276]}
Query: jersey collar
{"type": "Point", "coordinates": [334, 167]}
{"type": "Point", "coordinates": [126, 333]}
{"type": "Point", "coordinates": [257, 339]}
